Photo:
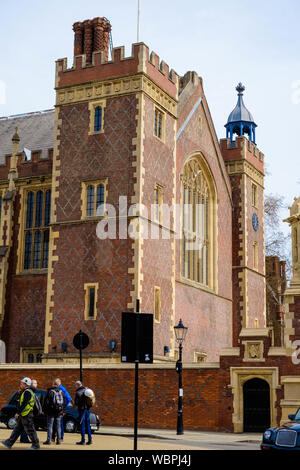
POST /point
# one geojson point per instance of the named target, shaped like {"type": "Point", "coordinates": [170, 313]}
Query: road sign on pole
{"type": "Point", "coordinates": [81, 342]}
{"type": "Point", "coordinates": [137, 347]}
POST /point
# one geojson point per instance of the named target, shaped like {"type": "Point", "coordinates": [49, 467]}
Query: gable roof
{"type": "Point", "coordinates": [36, 131]}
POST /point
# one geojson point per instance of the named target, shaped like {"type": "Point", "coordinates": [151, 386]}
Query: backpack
{"type": "Point", "coordinates": [56, 400]}
{"type": "Point", "coordinates": [37, 409]}
{"type": "Point", "coordinates": [90, 398]}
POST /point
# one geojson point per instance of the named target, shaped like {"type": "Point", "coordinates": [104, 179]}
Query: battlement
{"type": "Point", "coordinates": [35, 167]}
{"type": "Point", "coordinates": [243, 149]}
{"type": "Point", "coordinates": [102, 69]}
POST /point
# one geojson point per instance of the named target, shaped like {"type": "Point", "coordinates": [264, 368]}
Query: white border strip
{"type": "Point", "coordinates": [188, 118]}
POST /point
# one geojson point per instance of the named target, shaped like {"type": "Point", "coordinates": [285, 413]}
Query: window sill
{"type": "Point", "coordinates": [33, 272]}
{"type": "Point", "coordinates": [96, 132]}
{"type": "Point", "coordinates": [160, 139]}
{"type": "Point", "coordinates": [94, 217]}
{"type": "Point", "coordinates": [197, 285]}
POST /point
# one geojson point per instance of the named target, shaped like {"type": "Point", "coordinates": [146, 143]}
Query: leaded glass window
{"type": "Point", "coordinates": [158, 123]}
{"type": "Point", "coordinates": [37, 232]}
{"type": "Point", "coordinates": [100, 199]}
{"type": "Point", "coordinates": [90, 209]}
{"type": "Point", "coordinates": [98, 119]}
{"type": "Point", "coordinates": [196, 242]}
{"type": "Point", "coordinates": [95, 199]}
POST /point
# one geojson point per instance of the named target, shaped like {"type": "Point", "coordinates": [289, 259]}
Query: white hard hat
{"type": "Point", "coordinates": [89, 393]}
{"type": "Point", "coordinates": [26, 381]}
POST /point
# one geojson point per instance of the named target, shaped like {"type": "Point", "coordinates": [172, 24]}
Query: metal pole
{"type": "Point", "coordinates": [136, 388]}
{"type": "Point", "coordinates": [80, 355]}
{"type": "Point", "coordinates": [138, 21]}
{"type": "Point", "coordinates": [136, 403]}
{"type": "Point", "coordinates": [180, 395]}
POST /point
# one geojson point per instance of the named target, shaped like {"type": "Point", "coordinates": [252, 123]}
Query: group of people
{"type": "Point", "coordinates": [56, 400]}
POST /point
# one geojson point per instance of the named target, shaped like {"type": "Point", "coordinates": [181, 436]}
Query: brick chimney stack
{"type": "Point", "coordinates": [91, 36]}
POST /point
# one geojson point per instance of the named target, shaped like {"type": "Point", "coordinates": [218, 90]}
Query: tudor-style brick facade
{"type": "Point", "coordinates": [128, 133]}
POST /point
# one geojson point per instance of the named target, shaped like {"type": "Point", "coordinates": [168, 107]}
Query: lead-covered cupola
{"type": "Point", "coordinates": [240, 121]}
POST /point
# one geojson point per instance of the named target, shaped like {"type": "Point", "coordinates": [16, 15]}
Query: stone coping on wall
{"type": "Point", "coordinates": [15, 366]}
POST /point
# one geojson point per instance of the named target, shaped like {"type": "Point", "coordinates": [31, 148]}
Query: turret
{"type": "Point", "coordinates": [240, 121]}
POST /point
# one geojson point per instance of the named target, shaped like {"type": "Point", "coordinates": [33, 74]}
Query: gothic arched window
{"type": "Point", "coordinates": [198, 223]}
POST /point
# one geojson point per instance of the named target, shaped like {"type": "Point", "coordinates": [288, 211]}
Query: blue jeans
{"type": "Point", "coordinates": [85, 426]}
{"type": "Point", "coordinates": [50, 423]}
{"type": "Point", "coordinates": [24, 438]}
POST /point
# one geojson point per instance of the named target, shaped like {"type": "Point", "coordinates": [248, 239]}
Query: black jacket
{"type": "Point", "coordinates": [48, 404]}
{"type": "Point", "coordinates": [80, 401]}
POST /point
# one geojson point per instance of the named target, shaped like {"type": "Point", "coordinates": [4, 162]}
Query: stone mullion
{"type": "Point", "coordinates": [198, 238]}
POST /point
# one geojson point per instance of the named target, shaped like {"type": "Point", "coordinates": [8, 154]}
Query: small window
{"type": "Point", "coordinates": [100, 199]}
{"type": "Point", "coordinates": [39, 358]}
{"type": "Point", "coordinates": [200, 123]}
{"type": "Point", "coordinates": [159, 124]}
{"type": "Point", "coordinates": [158, 203]}
{"type": "Point", "coordinates": [92, 302]}
{"type": "Point", "coordinates": [200, 357]}
{"type": "Point", "coordinates": [32, 356]}
{"type": "Point", "coordinates": [254, 195]}
{"type": "Point", "coordinates": [98, 119]}
{"type": "Point", "coordinates": [157, 304]}
{"type": "Point", "coordinates": [94, 195]}
{"type": "Point", "coordinates": [97, 114]}
{"type": "Point", "coordinates": [255, 255]}
{"type": "Point", "coordinates": [90, 202]}
{"type": "Point", "coordinates": [91, 294]}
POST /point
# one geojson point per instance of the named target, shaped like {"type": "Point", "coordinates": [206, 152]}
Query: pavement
{"type": "Point", "coordinates": [111, 438]}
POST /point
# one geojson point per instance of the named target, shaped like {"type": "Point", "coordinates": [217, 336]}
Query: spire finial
{"type": "Point", "coordinates": [240, 89]}
{"type": "Point", "coordinates": [16, 137]}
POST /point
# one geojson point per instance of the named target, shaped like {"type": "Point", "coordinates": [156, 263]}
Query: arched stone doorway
{"type": "Point", "coordinates": [257, 409]}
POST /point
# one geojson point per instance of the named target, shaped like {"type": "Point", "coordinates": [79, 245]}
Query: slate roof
{"type": "Point", "coordinates": [36, 132]}
{"type": "Point", "coordinates": [240, 112]}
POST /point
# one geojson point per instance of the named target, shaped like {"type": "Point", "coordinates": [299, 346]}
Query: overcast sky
{"type": "Point", "coordinates": [224, 41]}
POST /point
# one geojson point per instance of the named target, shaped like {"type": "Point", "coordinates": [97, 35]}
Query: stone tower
{"type": "Point", "coordinates": [245, 166]}
{"type": "Point", "coordinates": [115, 130]}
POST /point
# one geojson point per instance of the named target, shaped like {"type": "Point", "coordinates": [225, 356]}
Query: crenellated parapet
{"type": "Point", "coordinates": [100, 69]}
{"type": "Point", "coordinates": [242, 150]}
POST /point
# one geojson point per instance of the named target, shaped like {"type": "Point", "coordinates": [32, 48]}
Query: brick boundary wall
{"type": "Point", "coordinates": [207, 405]}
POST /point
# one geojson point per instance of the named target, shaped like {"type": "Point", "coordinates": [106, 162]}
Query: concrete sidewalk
{"type": "Point", "coordinates": [171, 434]}
{"type": "Point", "coordinates": [111, 438]}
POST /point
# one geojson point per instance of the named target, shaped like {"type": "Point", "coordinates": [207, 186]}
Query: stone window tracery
{"type": "Point", "coordinates": [197, 236]}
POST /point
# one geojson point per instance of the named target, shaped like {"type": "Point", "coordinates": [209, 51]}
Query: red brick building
{"type": "Point", "coordinates": [123, 193]}
{"type": "Point", "coordinates": [122, 128]}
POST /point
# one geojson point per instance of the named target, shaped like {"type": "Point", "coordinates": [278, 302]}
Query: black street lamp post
{"type": "Point", "coordinates": [180, 334]}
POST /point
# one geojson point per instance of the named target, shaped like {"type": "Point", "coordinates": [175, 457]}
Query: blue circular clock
{"type": "Point", "coordinates": [255, 222]}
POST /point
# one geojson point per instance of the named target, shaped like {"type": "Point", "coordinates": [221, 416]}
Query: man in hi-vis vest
{"type": "Point", "coordinates": [24, 417]}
